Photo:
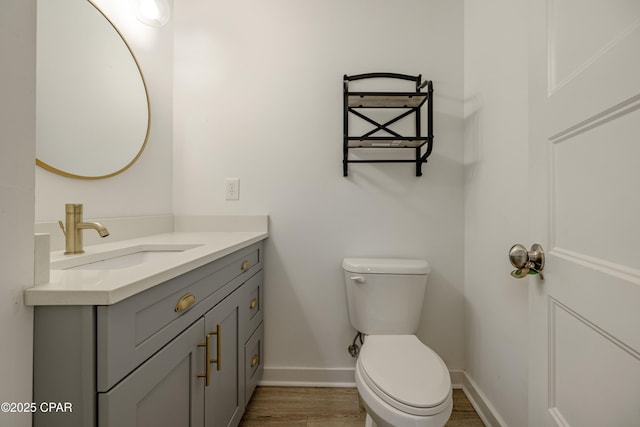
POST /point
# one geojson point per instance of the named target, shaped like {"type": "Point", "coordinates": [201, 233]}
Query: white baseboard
{"type": "Point", "coordinates": [308, 377]}
{"type": "Point", "coordinates": [318, 377]}
{"type": "Point", "coordinates": [481, 404]}
{"type": "Point", "coordinates": [457, 378]}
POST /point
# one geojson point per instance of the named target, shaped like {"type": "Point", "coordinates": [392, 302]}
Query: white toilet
{"type": "Point", "coordinates": [401, 381]}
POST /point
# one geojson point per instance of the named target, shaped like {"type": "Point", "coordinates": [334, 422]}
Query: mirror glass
{"type": "Point", "coordinates": [92, 107]}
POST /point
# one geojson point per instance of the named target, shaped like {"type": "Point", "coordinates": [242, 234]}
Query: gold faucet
{"type": "Point", "coordinates": [74, 226]}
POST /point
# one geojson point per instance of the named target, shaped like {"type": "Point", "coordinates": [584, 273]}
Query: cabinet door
{"type": "Point", "coordinates": [165, 391]}
{"type": "Point", "coordinates": [223, 402]}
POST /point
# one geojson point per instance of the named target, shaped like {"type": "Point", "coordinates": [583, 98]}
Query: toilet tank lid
{"type": "Point", "coordinates": [386, 266]}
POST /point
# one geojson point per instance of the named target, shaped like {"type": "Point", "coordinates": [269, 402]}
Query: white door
{"type": "Point", "coordinates": [584, 186]}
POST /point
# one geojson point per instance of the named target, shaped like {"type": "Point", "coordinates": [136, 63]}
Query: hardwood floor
{"type": "Point", "coordinates": [328, 407]}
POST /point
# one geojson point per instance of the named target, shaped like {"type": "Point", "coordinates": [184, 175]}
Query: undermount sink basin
{"type": "Point", "coordinates": [121, 258]}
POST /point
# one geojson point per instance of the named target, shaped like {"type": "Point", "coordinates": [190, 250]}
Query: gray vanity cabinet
{"type": "Point", "coordinates": [172, 388]}
{"type": "Point", "coordinates": [145, 362]}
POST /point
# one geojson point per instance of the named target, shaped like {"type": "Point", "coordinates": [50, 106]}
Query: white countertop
{"type": "Point", "coordinates": [105, 287]}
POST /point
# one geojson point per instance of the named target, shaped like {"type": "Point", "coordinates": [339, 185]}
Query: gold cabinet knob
{"type": "Point", "coordinates": [253, 304]}
{"type": "Point", "coordinates": [245, 265]}
{"type": "Point", "coordinates": [255, 360]}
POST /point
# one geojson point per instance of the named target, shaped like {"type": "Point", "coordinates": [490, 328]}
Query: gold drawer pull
{"type": "Point", "coordinates": [207, 355]}
{"type": "Point", "coordinates": [253, 304]}
{"type": "Point", "coordinates": [185, 302]}
{"type": "Point", "coordinates": [245, 265]}
{"type": "Point", "coordinates": [255, 360]}
{"type": "Point", "coordinates": [207, 367]}
{"type": "Point", "coordinates": [218, 359]}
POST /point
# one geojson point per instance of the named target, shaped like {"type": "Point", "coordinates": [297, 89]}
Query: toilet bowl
{"type": "Point", "coordinates": [401, 381]}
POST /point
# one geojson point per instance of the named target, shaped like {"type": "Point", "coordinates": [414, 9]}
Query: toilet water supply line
{"type": "Point", "coordinates": [354, 348]}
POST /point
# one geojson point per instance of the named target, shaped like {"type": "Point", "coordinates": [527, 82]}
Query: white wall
{"type": "Point", "coordinates": [496, 205]}
{"type": "Point", "coordinates": [258, 96]}
{"type": "Point", "coordinates": [145, 188]}
{"type": "Point", "coordinates": [17, 148]}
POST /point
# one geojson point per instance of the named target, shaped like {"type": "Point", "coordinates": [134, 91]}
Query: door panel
{"type": "Point", "coordinates": [165, 391]}
{"type": "Point", "coordinates": [581, 32]}
{"type": "Point", "coordinates": [584, 126]}
{"type": "Point", "coordinates": [223, 402]}
{"type": "Point", "coordinates": [601, 80]}
{"type": "Point", "coordinates": [594, 185]}
{"type": "Point", "coordinates": [590, 365]}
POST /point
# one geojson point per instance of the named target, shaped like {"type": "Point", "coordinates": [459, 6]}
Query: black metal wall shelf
{"type": "Point", "coordinates": [408, 104]}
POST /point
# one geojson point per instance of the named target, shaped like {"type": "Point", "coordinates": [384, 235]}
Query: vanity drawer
{"type": "Point", "coordinates": [253, 362]}
{"type": "Point", "coordinates": [130, 331]}
{"type": "Point", "coordinates": [251, 308]}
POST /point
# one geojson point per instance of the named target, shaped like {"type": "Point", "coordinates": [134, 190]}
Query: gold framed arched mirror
{"type": "Point", "coordinates": [92, 105]}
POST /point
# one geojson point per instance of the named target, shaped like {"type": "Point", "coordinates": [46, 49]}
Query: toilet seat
{"type": "Point", "coordinates": [405, 373]}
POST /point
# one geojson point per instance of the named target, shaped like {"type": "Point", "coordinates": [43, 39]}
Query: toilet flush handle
{"type": "Point", "coordinates": [358, 279]}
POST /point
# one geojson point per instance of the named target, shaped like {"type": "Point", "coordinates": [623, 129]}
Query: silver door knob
{"type": "Point", "coordinates": [526, 261]}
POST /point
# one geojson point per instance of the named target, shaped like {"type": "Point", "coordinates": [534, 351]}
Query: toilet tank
{"type": "Point", "coordinates": [385, 296]}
